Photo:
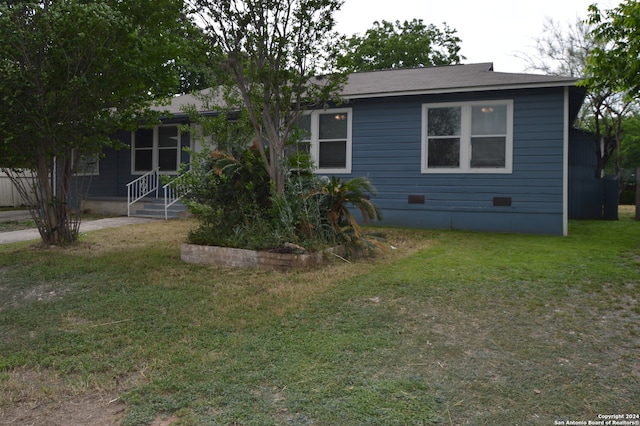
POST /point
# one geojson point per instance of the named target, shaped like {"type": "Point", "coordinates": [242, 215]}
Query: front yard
{"type": "Point", "coordinates": [453, 328]}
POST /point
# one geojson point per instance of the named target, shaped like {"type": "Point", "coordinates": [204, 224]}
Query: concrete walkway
{"type": "Point", "coordinates": [33, 234]}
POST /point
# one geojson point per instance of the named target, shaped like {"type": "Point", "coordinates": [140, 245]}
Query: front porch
{"type": "Point", "coordinates": [146, 207]}
{"type": "Point", "coordinates": [146, 197]}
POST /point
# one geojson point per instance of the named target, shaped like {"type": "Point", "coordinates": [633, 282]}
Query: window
{"type": "Point", "coordinates": [327, 136]}
{"type": "Point", "coordinates": [157, 147]}
{"type": "Point", "coordinates": [474, 137]}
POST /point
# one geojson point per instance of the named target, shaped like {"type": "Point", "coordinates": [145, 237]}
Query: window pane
{"type": "Point", "coordinates": [333, 126]}
{"type": "Point", "coordinates": [168, 136]}
{"type": "Point", "coordinates": [168, 159]}
{"type": "Point", "coordinates": [144, 138]}
{"type": "Point", "coordinates": [333, 155]}
{"type": "Point", "coordinates": [489, 120]}
{"type": "Point", "coordinates": [444, 121]}
{"type": "Point", "coordinates": [143, 160]}
{"type": "Point", "coordinates": [444, 153]}
{"type": "Point", "coordinates": [488, 152]}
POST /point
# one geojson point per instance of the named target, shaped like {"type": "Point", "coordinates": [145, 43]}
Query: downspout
{"type": "Point", "coordinates": [565, 166]}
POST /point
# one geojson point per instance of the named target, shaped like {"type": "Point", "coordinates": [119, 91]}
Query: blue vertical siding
{"type": "Point", "coordinates": [387, 149]}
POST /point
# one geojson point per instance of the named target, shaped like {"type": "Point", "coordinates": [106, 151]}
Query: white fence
{"type": "Point", "coordinates": [9, 196]}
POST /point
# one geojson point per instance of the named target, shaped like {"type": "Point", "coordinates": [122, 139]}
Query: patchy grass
{"type": "Point", "coordinates": [449, 328]}
{"type": "Point", "coordinates": [16, 225]}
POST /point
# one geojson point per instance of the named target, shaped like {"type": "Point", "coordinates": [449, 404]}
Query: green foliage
{"type": "Point", "coordinates": [71, 74]}
{"type": "Point", "coordinates": [617, 65]}
{"type": "Point", "coordinates": [339, 195]}
{"type": "Point", "coordinates": [400, 45]}
{"type": "Point", "coordinates": [630, 143]}
{"type": "Point", "coordinates": [234, 200]}
{"type": "Point", "coordinates": [230, 195]}
{"type": "Point", "coordinates": [271, 52]}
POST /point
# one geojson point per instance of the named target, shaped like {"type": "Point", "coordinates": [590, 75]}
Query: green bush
{"type": "Point", "coordinates": [231, 195]}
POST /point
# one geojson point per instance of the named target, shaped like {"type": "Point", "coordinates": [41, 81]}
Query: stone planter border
{"type": "Point", "coordinates": [240, 258]}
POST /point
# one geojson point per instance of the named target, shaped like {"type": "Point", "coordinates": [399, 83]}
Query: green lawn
{"type": "Point", "coordinates": [448, 328]}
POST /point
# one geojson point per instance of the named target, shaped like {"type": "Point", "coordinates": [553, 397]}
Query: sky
{"type": "Point", "coordinates": [491, 30]}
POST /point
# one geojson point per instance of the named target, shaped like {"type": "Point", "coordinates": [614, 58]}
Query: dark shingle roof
{"type": "Point", "coordinates": [443, 79]}
{"type": "Point", "coordinates": [413, 81]}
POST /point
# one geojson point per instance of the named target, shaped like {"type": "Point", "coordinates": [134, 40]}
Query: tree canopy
{"type": "Point", "coordinates": [272, 51]}
{"type": "Point", "coordinates": [72, 72]}
{"type": "Point", "coordinates": [615, 64]}
{"type": "Point", "coordinates": [408, 44]}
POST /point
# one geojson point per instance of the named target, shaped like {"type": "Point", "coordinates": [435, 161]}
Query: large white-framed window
{"type": "Point", "coordinates": [157, 147]}
{"type": "Point", "coordinates": [327, 136]}
{"type": "Point", "coordinates": [467, 137]}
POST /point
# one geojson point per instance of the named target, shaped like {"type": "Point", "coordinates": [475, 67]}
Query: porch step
{"type": "Point", "coordinates": [154, 208]}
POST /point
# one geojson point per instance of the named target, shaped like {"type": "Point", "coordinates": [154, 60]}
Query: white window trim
{"type": "Point", "coordinates": [315, 140]}
{"type": "Point", "coordinates": [465, 138]}
{"type": "Point", "coordinates": [155, 152]}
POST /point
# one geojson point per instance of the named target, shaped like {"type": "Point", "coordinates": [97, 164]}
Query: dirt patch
{"type": "Point", "coordinates": [37, 397]}
{"type": "Point", "coordinates": [13, 298]}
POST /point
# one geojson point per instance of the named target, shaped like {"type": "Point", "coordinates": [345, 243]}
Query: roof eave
{"type": "Point", "coordinates": [460, 90]}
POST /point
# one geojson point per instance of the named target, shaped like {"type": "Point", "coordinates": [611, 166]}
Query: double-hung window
{"type": "Point", "coordinates": [472, 137]}
{"type": "Point", "coordinates": [158, 147]}
{"type": "Point", "coordinates": [327, 134]}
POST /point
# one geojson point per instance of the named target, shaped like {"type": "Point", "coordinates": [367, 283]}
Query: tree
{"type": "Point", "coordinates": [612, 71]}
{"type": "Point", "coordinates": [615, 63]}
{"type": "Point", "coordinates": [410, 44]}
{"type": "Point", "coordinates": [73, 72]}
{"type": "Point", "coordinates": [272, 50]}
{"type": "Point", "coordinates": [565, 50]}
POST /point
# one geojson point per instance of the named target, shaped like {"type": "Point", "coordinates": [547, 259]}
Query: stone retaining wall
{"type": "Point", "coordinates": [239, 258]}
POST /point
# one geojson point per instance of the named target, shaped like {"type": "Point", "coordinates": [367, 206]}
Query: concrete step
{"type": "Point", "coordinates": [154, 208]}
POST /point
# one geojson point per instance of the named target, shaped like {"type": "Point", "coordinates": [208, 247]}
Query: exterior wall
{"type": "Point", "coordinates": [387, 150]}
{"type": "Point", "coordinates": [586, 192]}
{"type": "Point", "coordinates": [115, 169]}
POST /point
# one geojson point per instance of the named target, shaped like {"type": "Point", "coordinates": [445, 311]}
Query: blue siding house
{"type": "Point", "coordinates": [460, 147]}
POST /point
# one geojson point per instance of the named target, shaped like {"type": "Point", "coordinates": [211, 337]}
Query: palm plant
{"type": "Point", "coordinates": [340, 194]}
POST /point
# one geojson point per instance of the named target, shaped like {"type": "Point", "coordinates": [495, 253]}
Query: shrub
{"type": "Point", "coordinates": [231, 195]}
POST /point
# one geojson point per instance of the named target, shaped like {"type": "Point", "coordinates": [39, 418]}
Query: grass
{"type": "Point", "coordinates": [450, 328]}
{"type": "Point", "coordinates": [16, 225]}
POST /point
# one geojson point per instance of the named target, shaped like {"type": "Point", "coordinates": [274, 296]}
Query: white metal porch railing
{"type": "Point", "coordinates": [174, 191]}
{"type": "Point", "coordinates": [141, 187]}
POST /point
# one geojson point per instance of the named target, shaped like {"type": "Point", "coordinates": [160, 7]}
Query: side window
{"type": "Point", "coordinates": [474, 137]}
{"type": "Point", "coordinates": [326, 135]}
{"type": "Point", "coordinates": [332, 140]}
